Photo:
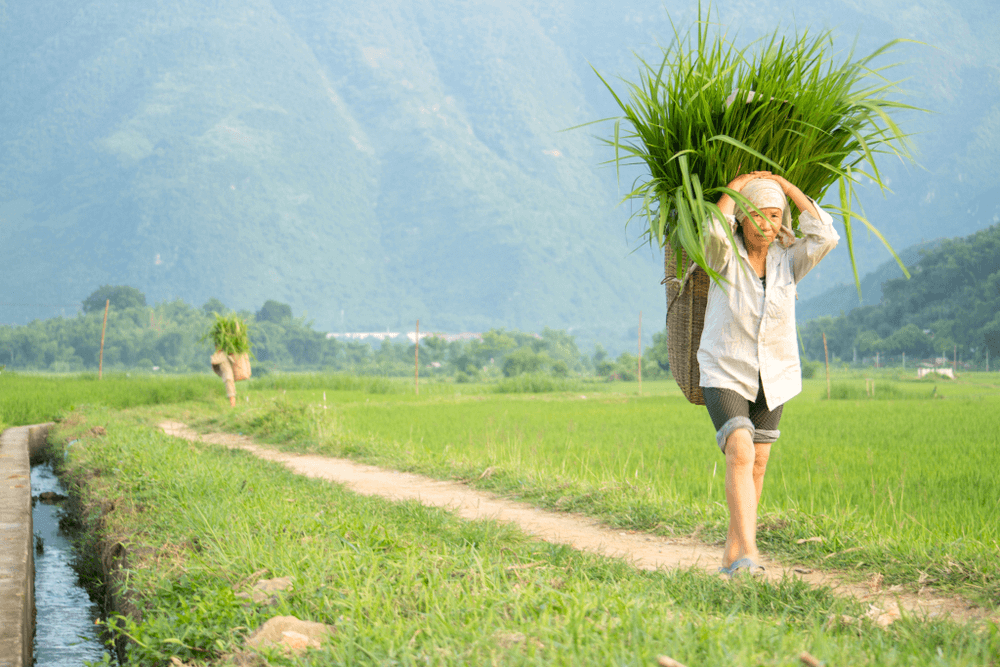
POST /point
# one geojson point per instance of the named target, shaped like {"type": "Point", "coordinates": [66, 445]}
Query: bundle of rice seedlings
{"type": "Point", "coordinates": [229, 334]}
{"type": "Point", "coordinates": [710, 111]}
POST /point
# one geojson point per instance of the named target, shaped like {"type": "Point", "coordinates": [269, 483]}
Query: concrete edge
{"type": "Point", "coordinates": [18, 445]}
{"type": "Point", "coordinates": [38, 438]}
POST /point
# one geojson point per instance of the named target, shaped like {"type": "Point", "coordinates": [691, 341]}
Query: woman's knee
{"type": "Point", "coordinates": [762, 452]}
{"type": "Point", "coordinates": [740, 448]}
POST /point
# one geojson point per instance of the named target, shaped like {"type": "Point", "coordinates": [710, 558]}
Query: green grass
{"type": "Point", "coordinates": [409, 585]}
{"type": "Point", "coordinates": [899, 487]}
{"type": "Point", "coordinates": [32, 399]}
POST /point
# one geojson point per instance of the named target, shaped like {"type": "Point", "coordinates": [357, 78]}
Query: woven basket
{"type": "Point", "coordinates": [241, 366]}
{"type": "Point", "coordinates": [686, 302]}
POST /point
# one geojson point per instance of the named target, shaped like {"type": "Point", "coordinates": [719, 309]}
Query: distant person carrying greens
{"type": "Point", "coordinates": [748, 355]}
{"type": "Point", "coordinates": [223, 367]}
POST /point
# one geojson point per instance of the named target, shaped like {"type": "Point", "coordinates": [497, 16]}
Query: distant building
{"type": "Point", "coordinates": [412, 336]}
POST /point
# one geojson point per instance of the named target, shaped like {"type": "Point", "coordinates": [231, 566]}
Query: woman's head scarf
{"type": "Point", "coordinates": [765, 193]}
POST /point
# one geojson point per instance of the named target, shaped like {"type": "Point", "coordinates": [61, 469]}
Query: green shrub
{"type": "Point", "coordinates": [534, 383]}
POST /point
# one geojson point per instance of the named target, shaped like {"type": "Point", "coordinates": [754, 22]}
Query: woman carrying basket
{"type": "Point", "coordinates": [749, 354]}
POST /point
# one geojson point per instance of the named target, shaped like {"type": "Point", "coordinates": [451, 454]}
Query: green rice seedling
{"type": "Point", "coordinates": [709, 111]}
{"type": "Point", "coordinates": [229, 333]}
{"type": "Point", "coordinates": [534, 383]}
{"type": "Point", "coordinates": [32, 399]}
{"type": "Point", "coordinates": [339, 382]}
{"type": "Point", "coordinates": [908, 492]}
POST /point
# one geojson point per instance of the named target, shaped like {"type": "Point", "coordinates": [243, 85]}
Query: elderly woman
{"type": "Point", "coordinates": [749, 355]}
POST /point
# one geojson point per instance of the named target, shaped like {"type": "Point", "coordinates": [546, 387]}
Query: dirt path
{"type": "Point", "coordinates": [643, 550]}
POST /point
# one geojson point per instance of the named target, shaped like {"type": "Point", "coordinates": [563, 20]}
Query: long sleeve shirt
{"type": "Point", "coordinates": [749, 330]}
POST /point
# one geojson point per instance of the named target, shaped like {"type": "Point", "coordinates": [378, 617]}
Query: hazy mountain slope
{"type": "Point", "coordinates": [375, 162]}
{"type": "Point", "coordinates": [843, 298]}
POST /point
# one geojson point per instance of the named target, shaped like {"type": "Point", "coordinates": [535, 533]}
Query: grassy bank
{"type": "Point", "coordinates": [895, 487]}
{"type": "Point", "coordinates": [408, 585]}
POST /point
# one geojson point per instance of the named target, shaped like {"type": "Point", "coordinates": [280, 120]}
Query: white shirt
{"type": "Point", "coordinates": [749, 329]}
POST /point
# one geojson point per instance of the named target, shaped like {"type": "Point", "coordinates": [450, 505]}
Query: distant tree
{"type": "Point", "coordinates": [600, 354]}
{"type": "Point", "coordinates": [213, 305]}
{"type": "Point", "coordinates": [991, 338]}
{"type": "Point", "coordinates": [120, 296]}
{"type": "Point", "coordinates": [525, 360]}
{"type": "Point", "coordinates": [910, 339]}
{"type": "Point", "coordinates": [274, 311]}
{"type": "Point", "coordinates": [659, 353]}
{"type": "Point", "coordinates": [494, 345]}
{"type": "Point", "coordinates": [868, 342]}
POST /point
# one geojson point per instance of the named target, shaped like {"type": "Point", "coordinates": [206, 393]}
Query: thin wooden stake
{"type": "Point", "coordinates": [416, 362]}
{"type": "Point", "coordinates": [954, 362]}
{"type": "Point", "coordinates": [100, 363]}
{"type": "Point", "coordinates": [640, 353]}
{"type": "Point", "coordinates": [827, 353]}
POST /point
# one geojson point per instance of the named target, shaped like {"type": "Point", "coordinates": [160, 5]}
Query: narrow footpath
{"type": "Point", "coordinates": [643, 550]}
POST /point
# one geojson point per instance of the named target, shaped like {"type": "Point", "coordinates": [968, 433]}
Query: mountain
{"type": "Point", "coordinates": [371, 163]}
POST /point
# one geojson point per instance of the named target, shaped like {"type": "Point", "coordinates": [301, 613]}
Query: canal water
{"type": "Point", "coordinates": [65, 633]}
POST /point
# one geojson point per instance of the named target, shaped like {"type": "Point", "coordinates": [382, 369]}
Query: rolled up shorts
{"type": "Point", "coordinates": [730, 411]}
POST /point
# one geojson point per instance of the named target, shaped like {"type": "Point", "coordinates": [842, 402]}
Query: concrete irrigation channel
{"type": "Point", "coordinates": [46, 618]}
{"type": "Point", "coordinates": [17, 549]}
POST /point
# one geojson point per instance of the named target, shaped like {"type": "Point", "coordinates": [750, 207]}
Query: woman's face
{"type": "Point", "coordinates": [769, 225]}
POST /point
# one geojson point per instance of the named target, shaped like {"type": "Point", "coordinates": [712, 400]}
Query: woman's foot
{"type": "Point", "coordinates": [743, 566]}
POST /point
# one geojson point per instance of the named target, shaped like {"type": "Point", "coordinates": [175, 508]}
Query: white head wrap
{"type": "Point", "coordinates": [765, 193]}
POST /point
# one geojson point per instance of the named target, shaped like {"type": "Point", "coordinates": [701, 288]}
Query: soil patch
{"type": "Point", "coordinates": [642, 550]}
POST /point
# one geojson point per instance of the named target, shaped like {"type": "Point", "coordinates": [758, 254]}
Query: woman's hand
{"type": "Point", "coordinates": [740, 181]}
{"type": "Point", "coordinates": [726, 204]}
{"type": "Point", "coordinates": [786, 186]}
{"type": "Point", "coordinates": [791, 190]}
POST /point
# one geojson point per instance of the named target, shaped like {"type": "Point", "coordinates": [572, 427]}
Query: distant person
{"type": "Point", "coordinates": [749, 355]}
{"type": "Point", "coordinates": [223, 367]}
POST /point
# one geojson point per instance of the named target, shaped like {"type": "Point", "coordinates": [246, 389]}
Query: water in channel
{"type": "Point", "coordinates": [65, 634]}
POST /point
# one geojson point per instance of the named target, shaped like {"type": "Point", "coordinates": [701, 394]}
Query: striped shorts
{"type": "Point", "coordinates": [730, 411]}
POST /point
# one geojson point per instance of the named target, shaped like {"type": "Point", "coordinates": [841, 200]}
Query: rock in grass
{"type": "Point", "coordinates": [264, 590]}
{"type": "Point", "coordinates": [291, 634]}
{"type": "Point", "coordinates": [883, 617]}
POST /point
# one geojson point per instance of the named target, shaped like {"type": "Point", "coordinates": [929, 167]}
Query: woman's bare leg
{"type": "Point", "coordinates": [742, 493]}
{"type": "Point", "coordinates": [762, 450]}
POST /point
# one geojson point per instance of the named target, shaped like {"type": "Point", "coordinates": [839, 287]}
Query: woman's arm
{"type": "Point", "coordinates": [803, 202]}
{"type": "Point", "coordinates": [819, 236]}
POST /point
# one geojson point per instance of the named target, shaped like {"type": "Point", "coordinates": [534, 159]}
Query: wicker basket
{"type": "Point", "coordinates": [241, 366]}
{"type": "Point", "coordinates": [686, 302]}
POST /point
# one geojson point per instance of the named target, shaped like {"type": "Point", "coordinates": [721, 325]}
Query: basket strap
{"type": "Point", "coordinates": [683, 283]}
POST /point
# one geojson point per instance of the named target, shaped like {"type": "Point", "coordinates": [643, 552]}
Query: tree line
{"type": "Point", "coordinates": [949, 307]}
{"type": "Point", "coordinates": [170, 337]}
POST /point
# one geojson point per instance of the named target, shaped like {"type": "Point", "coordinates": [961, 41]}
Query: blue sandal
{"type": "Point", "coordinates": [743, 565]}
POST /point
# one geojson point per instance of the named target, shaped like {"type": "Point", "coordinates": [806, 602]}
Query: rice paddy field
{"type": "Point", "coordinates": [899, 484]}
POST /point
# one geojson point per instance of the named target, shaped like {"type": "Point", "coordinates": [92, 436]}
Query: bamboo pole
{"type": "Point", "coordinates": [954, 361]}
{"type": "Point", "coordinates": [100, 363]}
{"type": "Point", "coordinates": [827, 353]}
{"type": "Point", "coordinates": [640, 353]}
{"type": "Point", "coordinates": [416, 362]}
